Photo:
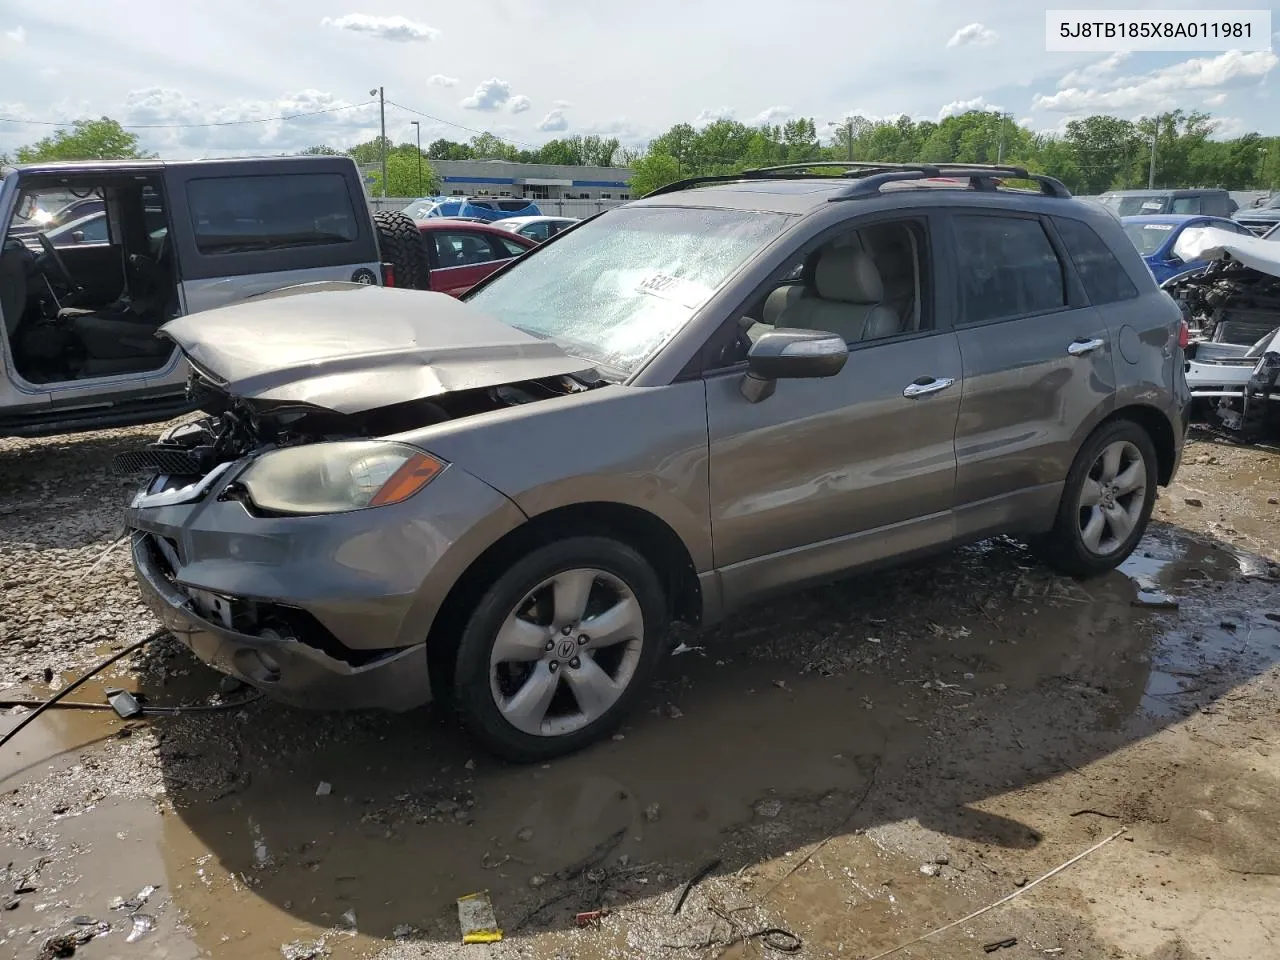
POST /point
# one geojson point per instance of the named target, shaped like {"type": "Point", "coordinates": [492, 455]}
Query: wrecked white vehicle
{"type": "Point", "coordinates": [1233, 309]}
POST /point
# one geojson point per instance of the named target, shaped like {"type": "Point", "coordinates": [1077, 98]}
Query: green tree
{"type": "Point", "coordinates": [652, 171]}
{"type": "Point", "coordinates": [448, 150]}
{"type": "Point", "coordinates": [402, 176]}
{"type": "Point", "coordinates": [101, 139]}
{"type": "Point", "coordinates": [370, 151]}
{"type": "Point", "coordinates": [321, 150]}
{"type": "Point", "coordinates": [486, 146]}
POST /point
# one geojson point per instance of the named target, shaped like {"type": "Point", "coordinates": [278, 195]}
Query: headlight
{"type": "Point", "coordinates": [337, 477]}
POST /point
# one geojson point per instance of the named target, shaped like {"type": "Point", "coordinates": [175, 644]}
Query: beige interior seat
{"type": "Point", "coordinates": [848, 301]}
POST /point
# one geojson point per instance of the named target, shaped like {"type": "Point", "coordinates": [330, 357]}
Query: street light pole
{"type": "Point", "coordinates": [382, 115]}
{"type": "Point", "coordinates": [418, 128]}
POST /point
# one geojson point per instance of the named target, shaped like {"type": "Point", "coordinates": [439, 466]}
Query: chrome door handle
{"type": "Point", "coordinates": [1079, 348]}
{"type": "Point", "coordinates": [919, 389]}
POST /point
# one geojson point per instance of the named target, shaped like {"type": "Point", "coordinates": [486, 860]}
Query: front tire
{"type": "Point", "coordinates": [559, 648]}
{"type": "Point", "coordinates": [1106, 502]}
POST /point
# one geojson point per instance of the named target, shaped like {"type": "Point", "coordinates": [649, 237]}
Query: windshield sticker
{"type": "Point", "coordinates": [687, 293]}
{"type": "Point", "coordinates": [1152, 205]}
{"type": "Point", "coordinates": [1165, 227]}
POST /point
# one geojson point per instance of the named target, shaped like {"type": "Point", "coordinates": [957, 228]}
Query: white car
{"type": "Point", "coordinates": [1233, 309]}
{"type": "Point", "coordinates": [536, 228]}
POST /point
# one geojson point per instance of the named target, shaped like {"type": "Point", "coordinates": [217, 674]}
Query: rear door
{"type": "Point", "coordinates": [462, 258]}
{"type": "Point", "coordinates": [246, 227]}
{"type": "Point", "coordinates": [1037, 367]}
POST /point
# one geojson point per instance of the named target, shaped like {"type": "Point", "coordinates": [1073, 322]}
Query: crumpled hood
{"type": "Point", "coordinates": [356, 348]}
{"type": "Point", "coordinates": [1213, 243]}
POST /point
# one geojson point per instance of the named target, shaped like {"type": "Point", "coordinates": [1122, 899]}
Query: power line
{"type": "Point", "coordinates": [460, 126]}
{"type": "Point", "coordinates": [191, 126]}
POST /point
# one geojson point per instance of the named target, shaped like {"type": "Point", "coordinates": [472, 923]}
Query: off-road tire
{"type": "Point", "coordinates": [471, 694]}
{"type": "Point", "coordinates": [400, 244]}
{"type": "Point", "coordinates": [1063, 548]}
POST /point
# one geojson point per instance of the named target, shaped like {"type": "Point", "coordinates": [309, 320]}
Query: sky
{"type": "Point", "coordinates": [532, 70]}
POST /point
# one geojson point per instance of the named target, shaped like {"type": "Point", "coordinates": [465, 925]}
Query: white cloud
{"type": "Point", "coordinates": [1164, 88]}
{"type": "Point", "coordinates": [561, 104]}
{"type": "Point", "coordinates": [973, 35]}
{"type": "Point", "coordinates": [554, 121]}
{"type": "Point", "coordinates": [440, 80]}
{"type": "Point", "coordinates": [1098, 71]}
{"type": "Point", "coordinates": [490, 95]}
{"type": "Point", "coordinates": [1227, 127]}
{"type": "Point", "coordinates": [1217, 100]}
{"type": "Point", "coordinates": [519, 103]}
{"type": "Point", "coordinates": [956, 107]}
{"type": "Point", "coordinates": [344, 125]}
{"type": "Point", "coordinates": [771, 116]}
{"type": "Point", "coordinates": [396, 28]}
{"type": "Point", "coordinates": [712, 114]}
{"type": "Point", "coordinates": [17, 34]}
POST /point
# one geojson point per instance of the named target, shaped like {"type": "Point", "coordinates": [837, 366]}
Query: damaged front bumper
{"type": "Point", "coordinates": [273, 659]}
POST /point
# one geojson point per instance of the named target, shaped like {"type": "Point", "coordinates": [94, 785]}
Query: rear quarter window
{"type": "Point", "coordinates": [274, 212]}
{"type": "Point", "coordinates": [1103, 276]}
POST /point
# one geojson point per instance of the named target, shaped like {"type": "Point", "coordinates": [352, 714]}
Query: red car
{"type": "Point", "coordinates": [461, 253]}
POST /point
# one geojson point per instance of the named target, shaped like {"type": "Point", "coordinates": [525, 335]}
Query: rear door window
{"type": "Point", "coordinates": [506, 248]}
{"type": "Point", "coordinates": [263, 213]}
{"type": "Point", "coordinates": [1186, 205]}
{"type": "Point", "coordinates": [463, 249]}
{"type": "Point", "coordinates": [1008, 268]}
{"type": "Point", "coordinates": [1104, 278]}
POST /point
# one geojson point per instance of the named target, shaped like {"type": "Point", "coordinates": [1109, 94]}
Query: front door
{"type": "Point", "coordinates": [829, 474]}
{"type": "Point", "coordinates": [1037, 368]}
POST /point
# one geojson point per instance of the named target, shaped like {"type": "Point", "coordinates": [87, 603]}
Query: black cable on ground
{"type": "Point", "coordinates": [155, 635]}
{"type": "Point", "coordinates": [146, 711]}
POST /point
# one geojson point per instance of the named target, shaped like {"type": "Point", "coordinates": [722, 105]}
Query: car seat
{"type": "Point", "coordinates": [849, 298]}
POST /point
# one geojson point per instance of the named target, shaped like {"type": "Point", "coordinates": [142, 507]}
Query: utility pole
{"type": "Point", "coordinates": [418, 127]}
{"type": "Point", "coordinates": [382, 115]}
{"type": "Point", "coordinates": [849, 133]}
{"type": "Point", "coordinates": [1000, 142]}
{"type": "Point", "coordinates": [1151, 171]}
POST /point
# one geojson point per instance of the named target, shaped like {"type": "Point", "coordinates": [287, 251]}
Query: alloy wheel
{"type": "Point", "coordinates": [1112, 497]}
{"type": "Point", "coordinates": [566, 653]}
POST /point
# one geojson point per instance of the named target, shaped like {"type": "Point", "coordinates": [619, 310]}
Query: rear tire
{"type": "Point", "coordinates": [1106, 502]}
{"type": "Point", "coordinates": [400, 244]}
{"type": "Point", "coordinates": [559, 648]}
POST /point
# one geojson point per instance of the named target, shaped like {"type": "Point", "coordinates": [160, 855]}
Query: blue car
{"type": "Point", "coordinates": [1155, 235]}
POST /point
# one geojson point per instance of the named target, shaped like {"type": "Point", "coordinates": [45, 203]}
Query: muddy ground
{"type": "Point", "coordinates": [863, 763]}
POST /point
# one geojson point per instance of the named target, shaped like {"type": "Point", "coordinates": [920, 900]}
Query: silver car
{"type": "Point", "coordinates": [717, 392]}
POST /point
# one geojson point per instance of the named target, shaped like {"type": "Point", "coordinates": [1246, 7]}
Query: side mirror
{"type": "Point", "coordinates": [77, 236]}
{"type": "Point", "coordinates": [790, 354]}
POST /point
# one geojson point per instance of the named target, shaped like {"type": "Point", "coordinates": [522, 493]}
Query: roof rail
{"type": "Point", "coordinates": [870, 176]}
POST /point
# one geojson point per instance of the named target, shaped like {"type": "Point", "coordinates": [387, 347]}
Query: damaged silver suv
{"type": "Point", "coordinates": [730, 387]}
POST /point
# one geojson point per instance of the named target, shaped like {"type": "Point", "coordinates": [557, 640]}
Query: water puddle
{"type": "Point", "coordinates": [940, 686]}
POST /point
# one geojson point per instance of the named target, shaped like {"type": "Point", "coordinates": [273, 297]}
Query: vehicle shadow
{"type": "Point", "coordinates": [912, 694]}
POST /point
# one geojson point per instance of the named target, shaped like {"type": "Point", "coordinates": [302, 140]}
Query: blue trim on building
{"type": "Point", "coordinates": [601, 183]}
{"type": "Point", "coordinates": [508, 181]}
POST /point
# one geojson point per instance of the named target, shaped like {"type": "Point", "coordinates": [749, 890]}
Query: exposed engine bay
{"type": "Point", "coordinates": [234, 428]}
{"type": "Point", "coordinates": [1233, 360]}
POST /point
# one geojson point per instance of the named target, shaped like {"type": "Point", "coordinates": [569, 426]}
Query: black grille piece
{"type": "Point", "coordinates": [155, 460]}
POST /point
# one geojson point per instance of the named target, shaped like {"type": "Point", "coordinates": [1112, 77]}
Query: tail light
{"type": "Point", "coordinates": [388, 274]}
{"type": "Point", "coordinates": [1184, 334]}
